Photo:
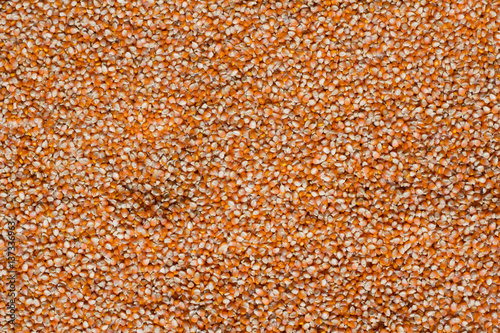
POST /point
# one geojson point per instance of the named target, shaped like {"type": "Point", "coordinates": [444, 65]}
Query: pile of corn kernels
{"type": "Point", "coordinates": [251, 166]}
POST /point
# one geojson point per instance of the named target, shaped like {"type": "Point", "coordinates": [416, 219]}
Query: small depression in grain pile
{"type": "Point", "coordinates": [251, 166]}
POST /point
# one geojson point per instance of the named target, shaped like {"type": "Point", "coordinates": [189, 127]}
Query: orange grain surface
{"type": "Point", "coordinates": [251, 166]}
